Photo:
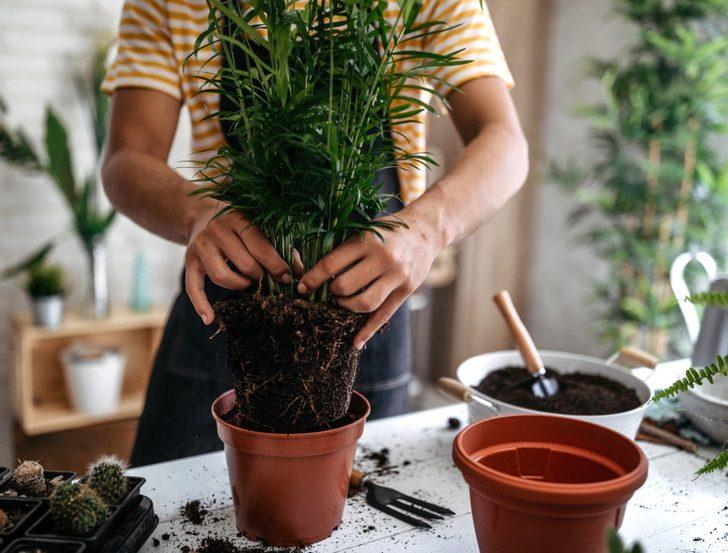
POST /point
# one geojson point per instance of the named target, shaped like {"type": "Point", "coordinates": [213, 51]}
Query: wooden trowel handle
{"type": "Point", "coordinates": [453, 389]}
{"type": "Point", "coordinates": [520, 333]}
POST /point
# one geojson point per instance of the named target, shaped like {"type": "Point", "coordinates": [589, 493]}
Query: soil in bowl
{"type": "Point", "coordinates": [293, 361]}
{"type": "Point", "coordinates": [579, 393]}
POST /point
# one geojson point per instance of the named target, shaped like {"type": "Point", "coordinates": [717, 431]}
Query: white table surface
{"type": "Point", "coordinates": [671, 513]}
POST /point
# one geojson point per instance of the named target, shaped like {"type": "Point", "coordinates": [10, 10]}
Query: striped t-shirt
{"type": "Point", "coordinates": [157, 36]}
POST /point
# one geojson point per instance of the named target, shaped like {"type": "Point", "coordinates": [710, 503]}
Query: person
{"type": "Point", "coordinates": [150, 83]}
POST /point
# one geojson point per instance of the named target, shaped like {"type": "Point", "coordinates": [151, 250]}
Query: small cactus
{"type": "Point", "coordinates": [29, 479]}
{"type": "Point", "coordinates": [5, 521]}
{"type": "Point", "coordinates": [106, 477]}
{"type": "Point", "coordinates": [77, 509]}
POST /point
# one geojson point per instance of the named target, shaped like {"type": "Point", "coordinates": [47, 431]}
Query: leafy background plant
{"type": "Point", "coordinates": [90, 221]}
{"type": "Point", "coordinates": [312, 90]}
{"type": "Point", "coordinates": [659, 185]}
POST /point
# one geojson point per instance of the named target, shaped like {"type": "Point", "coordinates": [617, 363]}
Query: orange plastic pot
{"type": "Point", "coordinates": [547, 484]}
{"type": "Point", "coordinates": [289, 489]}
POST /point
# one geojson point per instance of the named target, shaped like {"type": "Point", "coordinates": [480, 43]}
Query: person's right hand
{"type": "Point", "coordinates": [214, 242]}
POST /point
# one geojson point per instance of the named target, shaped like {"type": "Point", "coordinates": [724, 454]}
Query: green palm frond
{"type": "Point", "coordinates": [716, 298]}
{"type": "Point", "coordinates": [694, 377]}
{"type": "Point", "coordinates": [15, 147]}
{"type": "Point", "coordinates": [719, 462]}
{"type": "Point", "coordinates": [31, 261]}
{"type": "Point", "coordinates": [309, 91]}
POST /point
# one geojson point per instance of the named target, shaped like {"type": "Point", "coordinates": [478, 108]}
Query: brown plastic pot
{"type": "Point", "coordinates": [545, 483]}
{"type": "Point", "coordinates": [289, 489]}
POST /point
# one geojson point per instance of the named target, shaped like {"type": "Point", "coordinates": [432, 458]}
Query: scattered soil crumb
{"type": "Point", "coordinates": [222, 545]}
{"type": "Point", "coordinates": [381, 457]}
{"type": "Point", "coordinates": [193, 512]}
{"type": "Point", "coordinates": [453, 423]}
{"type": "Point", "coordinates": [155, 542]}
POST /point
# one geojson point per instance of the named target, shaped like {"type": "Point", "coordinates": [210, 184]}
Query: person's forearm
{"type": "Point", "coordinates": [152, 194]}
{"type": "Point", "coordinates": [490, 170]}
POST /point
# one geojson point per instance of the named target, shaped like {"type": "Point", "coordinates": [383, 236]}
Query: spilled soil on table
{"type": "Point", "coordinates": [293, 361]}
{"type": "Point", "coordinates": [579, 393]}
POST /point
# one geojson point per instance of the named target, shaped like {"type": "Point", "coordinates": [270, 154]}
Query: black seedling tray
{"type": "Point", "coordinates": [135, 484]}
{"type": "Point", "coordinates": [124, 532]}
{"type": "Point", "coordinates": [50, 546]}
{"type": "Point", "coordinates": [31, 509]}
{"type": "Point", "coordinates": [44, 529]}
{"type": "Point", "coordinates": [134, 530]}
{"type": "Point", "coordinates": [47, 474]}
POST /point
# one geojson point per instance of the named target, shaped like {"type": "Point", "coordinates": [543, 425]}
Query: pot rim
{"type": "Point", "coordinates": [575, 356]}
{"type": "Point", "coordinates": [290, 436]}
{"type": "Point", "coordinates": [624, 484]}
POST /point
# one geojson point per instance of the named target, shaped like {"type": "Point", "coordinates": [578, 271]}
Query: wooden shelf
{"type": "Point", "coordinates": [56, 416]}
{"type": "Point", "coordinates": [40, 398]}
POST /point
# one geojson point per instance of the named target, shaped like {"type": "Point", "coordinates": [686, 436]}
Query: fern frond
{"type": "Point", "coordinates": [716, 298]}
{"type": "Point", "coordinates": [719, 462]}
{"type": "Point", "coordinates": [694, 377]}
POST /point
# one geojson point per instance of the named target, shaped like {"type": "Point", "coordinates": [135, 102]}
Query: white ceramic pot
{"type": "Point", "coordinates": [707, 408]}
{"type": "Point", "coordinates": [473, 370]}
{"type": "Point", "coordinates": [93, 378]}
{"type": "Point", "coordinates": [48, 311]}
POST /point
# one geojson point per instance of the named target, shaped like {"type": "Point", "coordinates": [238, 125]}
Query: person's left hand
{"type": "Point", "coordinates": [374, 276]}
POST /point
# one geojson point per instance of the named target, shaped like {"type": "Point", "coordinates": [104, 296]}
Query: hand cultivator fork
{"type": "Point", "coordinates": [386, 499]}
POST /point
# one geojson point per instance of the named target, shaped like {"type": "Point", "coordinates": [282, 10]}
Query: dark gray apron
{"type": "Point", "coordinates": [190, 371]}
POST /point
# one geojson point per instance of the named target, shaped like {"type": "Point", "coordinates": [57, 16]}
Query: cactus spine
{"type": "Point", "coordinates": [29, 479]}
{"type": "Point", "coordinates": [106, 477]}
{"type": "Point", "coordinates": [77, 509]}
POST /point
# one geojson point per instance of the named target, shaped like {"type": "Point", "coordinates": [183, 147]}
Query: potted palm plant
{"type": "Point", "coordinates": [44, 284]}
{"type": "Point", "coordinates": [308, 90]}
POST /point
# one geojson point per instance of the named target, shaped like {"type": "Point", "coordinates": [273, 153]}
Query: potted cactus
{"type": "Point", "coordinates": [306, 91]}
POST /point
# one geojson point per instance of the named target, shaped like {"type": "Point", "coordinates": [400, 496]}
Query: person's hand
{"type": "Point", "coordinates": [229, 238]}
{"type": "Point", "coordinates": [374, 276]}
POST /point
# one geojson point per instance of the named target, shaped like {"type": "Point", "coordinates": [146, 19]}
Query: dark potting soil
{"type": "Point", "coordinates": [579, 393]}
{"type": "Point", "coordinates": [15, 514]}
{"type": "Point", "coordinates": [293, 361]}
{"type": "Point", "coordinates": [194, 512]}
{"type": "Point", "coordinates": [224, 545]}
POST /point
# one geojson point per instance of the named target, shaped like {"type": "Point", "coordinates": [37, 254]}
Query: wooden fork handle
{"type": "Point", "coordinates": [520, 333]}
{"type": "Point", "coordinates": [356, 480]}
{"type": "Point", "coordinates": [453, 389]}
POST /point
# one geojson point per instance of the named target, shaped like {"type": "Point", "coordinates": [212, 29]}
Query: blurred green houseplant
{"type": "Point", "coordinates": [658, 185]}
{"type": "Point", "coordinates": [90, 221]}
{"type": "Point", "coordinates": [43, 283]}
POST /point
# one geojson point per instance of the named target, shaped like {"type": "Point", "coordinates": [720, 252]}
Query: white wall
{"type": "Point", "coordinates": [561, 315]}
{"type": "Point", "coordinates": [42, 42]}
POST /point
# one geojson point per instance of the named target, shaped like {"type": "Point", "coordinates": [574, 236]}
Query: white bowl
{"type": "Point", "coordinates": [473, 370]}
{"type": "Point", "coordinates": [707, 407]}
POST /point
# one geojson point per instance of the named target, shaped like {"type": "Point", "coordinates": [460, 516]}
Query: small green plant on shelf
{"type": "Point", "coordinates": [699, 376]}
{"type": "Point", "coordinates": [42, 279]}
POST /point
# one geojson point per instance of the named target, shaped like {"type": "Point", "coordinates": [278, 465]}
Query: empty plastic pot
{"type": "Point", "coordinates": [289, 489]}
{"type": "Point", "coordinates": [545, 483]}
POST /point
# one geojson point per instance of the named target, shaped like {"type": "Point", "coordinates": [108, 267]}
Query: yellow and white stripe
{"type": "Point", "coordinates": [157, 36]}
